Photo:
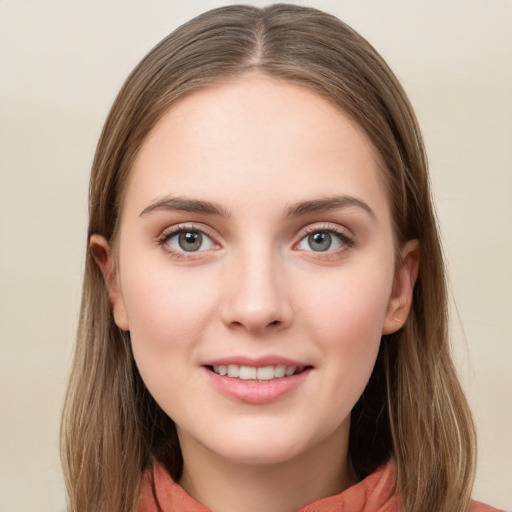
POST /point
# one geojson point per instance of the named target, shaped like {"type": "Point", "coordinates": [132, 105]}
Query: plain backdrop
{"type": "Point", "coordinates": [61, 64]}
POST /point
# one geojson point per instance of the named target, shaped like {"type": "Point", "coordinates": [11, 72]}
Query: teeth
{"type": "Point", "coordinates": [247, 373]}
{"type": "Point", "coordinates": [290, 370]}
{"type": "Point", "coordinates": [252, 373]}
{"type": "Point", "coordinates": [233, 370]}
{"type": "Point", "coordinates": [280, 371]}
{"type": "Point", "coordinates": [265, 373]}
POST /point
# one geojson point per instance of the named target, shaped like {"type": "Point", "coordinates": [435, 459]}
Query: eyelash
{"type": "Point", "coordinates": [346, 241]}
{"type": "Point", "coordinates": [342, 236]}
{"type": "Point", "coordinates": [167, 235]}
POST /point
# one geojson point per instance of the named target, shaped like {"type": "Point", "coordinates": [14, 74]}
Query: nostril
{"type": "Point", "coordinates": [237, 324]}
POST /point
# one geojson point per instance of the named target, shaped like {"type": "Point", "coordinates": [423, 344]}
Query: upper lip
{"type": "Point", "coordinates": [257, 362]}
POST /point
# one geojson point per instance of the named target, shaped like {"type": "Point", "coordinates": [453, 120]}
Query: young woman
{"type": "Point", "coordinates": [263, 323]}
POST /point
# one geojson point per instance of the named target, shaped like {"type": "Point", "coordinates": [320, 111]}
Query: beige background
{"type": "Point", "coordinates": [61, 63]}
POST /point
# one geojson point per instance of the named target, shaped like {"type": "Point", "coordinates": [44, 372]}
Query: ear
{"type": "Point", "coordinates": [102, 254]}
{"type": "Point", "coordinates": [400, 300]}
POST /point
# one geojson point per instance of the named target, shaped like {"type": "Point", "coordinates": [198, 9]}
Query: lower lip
{"type": "Point", "coordinates": [256, 391]}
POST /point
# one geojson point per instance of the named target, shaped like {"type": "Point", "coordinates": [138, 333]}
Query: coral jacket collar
{"type": "Point", "coordinates": [159, 493]}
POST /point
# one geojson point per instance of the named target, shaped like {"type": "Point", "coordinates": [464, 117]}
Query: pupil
{"type": "Point", "coordinates": [320, 241]}
{"type": "Point", "coordinates": [190, 241]}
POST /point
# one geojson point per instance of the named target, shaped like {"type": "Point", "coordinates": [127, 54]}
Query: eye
{"type": "Point", "coordinates": [324, 240]}
{"type": "Point", "coordinates": [188, 240]}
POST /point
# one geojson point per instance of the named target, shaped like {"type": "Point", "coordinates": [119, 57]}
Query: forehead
{"type": "Point", "coordinates": [254, 135]}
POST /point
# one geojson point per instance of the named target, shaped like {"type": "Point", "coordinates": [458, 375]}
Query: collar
{"type": "Point", "coordinates": [159, 493]}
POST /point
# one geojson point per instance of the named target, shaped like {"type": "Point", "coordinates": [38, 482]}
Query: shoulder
{"type": "Point", "coordinates": [146, 495]}
{"type": "Point", "coordinates": [158, 492]}
{"type": "Point", "coordinates": [476, 506]}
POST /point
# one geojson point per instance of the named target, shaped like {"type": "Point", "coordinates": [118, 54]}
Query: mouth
{"type": "Point", "coordinates": [257, 381]}
{"type": "Point", "coordinates": [257, 373]}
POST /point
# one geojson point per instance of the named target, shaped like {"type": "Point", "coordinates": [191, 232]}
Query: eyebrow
{"type": "Point", "coordinates": [327, 204]}
{"type": "Point", "coordinates": [186, 205]}
{"type": "Point", "coordinates": [299, 208]}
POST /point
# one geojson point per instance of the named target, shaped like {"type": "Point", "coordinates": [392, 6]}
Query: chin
{"type": "Point", "coordinates": [268, 444]}
{"type": "Point", "coordinates": [259, 453]}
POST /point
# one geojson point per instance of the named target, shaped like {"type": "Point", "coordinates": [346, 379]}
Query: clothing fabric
{"type": "Point", "coordinates": [159, 493]}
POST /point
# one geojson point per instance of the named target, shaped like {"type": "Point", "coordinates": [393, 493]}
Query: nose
{"type": "Point", "coordinates": [256, 295]}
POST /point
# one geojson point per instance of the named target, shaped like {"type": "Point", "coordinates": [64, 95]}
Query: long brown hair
{"type": "Point", "coordinates": [413, 408]}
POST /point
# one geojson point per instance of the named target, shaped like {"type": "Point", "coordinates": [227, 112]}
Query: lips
{"type": "Point", "coordinates": [256, 381]}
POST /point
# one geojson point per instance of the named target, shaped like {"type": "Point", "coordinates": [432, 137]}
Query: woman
{"type": "Point", "coordinates": [263, 322]}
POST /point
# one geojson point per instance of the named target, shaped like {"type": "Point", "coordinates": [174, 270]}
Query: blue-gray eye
{"type": "Point", "coordinates": [190, 241]}
{"type": "Point", "coordinates": [321, 241]}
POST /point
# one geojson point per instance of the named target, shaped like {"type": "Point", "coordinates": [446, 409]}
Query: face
{"type": "Point", "coordinates": [256, 269]}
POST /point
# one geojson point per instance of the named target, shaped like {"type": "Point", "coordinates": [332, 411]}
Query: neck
{"type": "Point", "coordinates": [227, 486]}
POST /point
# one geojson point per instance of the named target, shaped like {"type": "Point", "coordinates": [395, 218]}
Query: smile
{"type": "Point", "coordinates": [243, 372]}
{"type": "Point", "coordinates": [256, 381]}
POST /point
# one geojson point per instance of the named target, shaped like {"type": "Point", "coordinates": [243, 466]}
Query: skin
{"type": "Point", "coordinates": [257, 147]}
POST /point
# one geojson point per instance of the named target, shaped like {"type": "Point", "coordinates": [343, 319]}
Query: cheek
{"type": "Point", "coordinates": [347, 322]}
{"type": "Point", "coordinates": [352, 304]}
{"type": "Point", "coordinates": [349, 331]}
{"type": "Point", "coordinates": [166, 310]}
{"type": "Point", "coordinates": [168, 316]}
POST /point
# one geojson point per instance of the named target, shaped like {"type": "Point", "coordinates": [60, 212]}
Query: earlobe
{"type": "Point", "coordinates": [400, 301]}
{"type": "Point", "coordinates": [102, 253]}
